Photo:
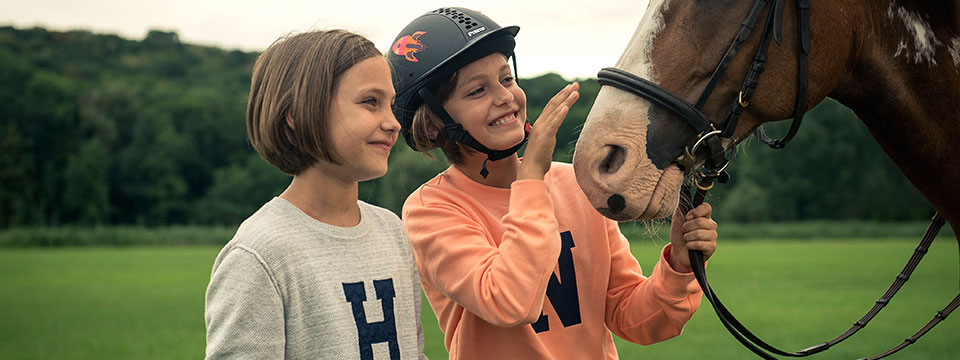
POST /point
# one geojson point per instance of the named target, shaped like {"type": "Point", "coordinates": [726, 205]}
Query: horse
{"type": "Point", "coordinates": [896, 64]}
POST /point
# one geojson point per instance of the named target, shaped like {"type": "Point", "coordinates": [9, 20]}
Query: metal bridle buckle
{"type": "Point", "coordinates": [703, 179]}
{"type": "Point", "coordinates": [704, 137]}
{"type": "Point", "coordinates": [689, 159]}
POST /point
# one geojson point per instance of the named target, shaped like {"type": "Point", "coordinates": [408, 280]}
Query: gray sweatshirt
{"type": "Point", "coordinates": [290, 287]}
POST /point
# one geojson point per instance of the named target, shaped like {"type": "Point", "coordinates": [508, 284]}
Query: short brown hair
{"type": "Point", "coordinates": [296, 78]}
{"type": "Point", "coordinates": [424, 117]}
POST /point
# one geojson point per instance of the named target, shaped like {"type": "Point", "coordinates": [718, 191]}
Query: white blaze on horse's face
{"type": "Point", "coordinates": [637, 56]}
{"type": "Point", "coordinates": [611, 163]}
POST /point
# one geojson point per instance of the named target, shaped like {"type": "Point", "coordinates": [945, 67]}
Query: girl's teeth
{"type": "Point", "coordinates": [502, 120]}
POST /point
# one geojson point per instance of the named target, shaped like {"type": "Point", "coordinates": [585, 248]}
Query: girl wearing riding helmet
{"type": "Point", "coordinates": [513, 259]}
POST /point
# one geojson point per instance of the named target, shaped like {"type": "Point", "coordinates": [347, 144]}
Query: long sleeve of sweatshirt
{"type": "Point", "coordinates": [646, 310]}
{"type": "Point", "coordinates": [498, 268]}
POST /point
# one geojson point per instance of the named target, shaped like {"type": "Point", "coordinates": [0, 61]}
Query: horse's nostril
{"type": "Point", "coordinates": [616, 203]}
{"type": "Point", "coordinates": [614, 159]}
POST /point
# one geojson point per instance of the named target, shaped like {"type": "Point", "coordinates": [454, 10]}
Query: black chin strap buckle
{"type": "Point", "coordinates": [483, 168]}
{"type": "Point", "coordinates": [454, 131]}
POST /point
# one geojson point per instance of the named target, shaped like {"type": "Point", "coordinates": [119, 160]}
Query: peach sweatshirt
{"type": "Point", "coordinates": [534, 272]}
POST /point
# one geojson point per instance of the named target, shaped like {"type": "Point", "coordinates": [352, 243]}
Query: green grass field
{"type": "Point", "coordinates": [147, 302]}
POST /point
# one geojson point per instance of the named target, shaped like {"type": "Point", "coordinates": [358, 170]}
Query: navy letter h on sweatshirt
{"type": "Point", "coordinates": [377, 332]}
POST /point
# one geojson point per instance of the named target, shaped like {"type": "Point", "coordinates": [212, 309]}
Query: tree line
{"type": "Point", "coordinates": [96, 129]}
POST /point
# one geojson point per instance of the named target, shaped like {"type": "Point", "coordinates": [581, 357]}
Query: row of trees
{"type": "Point", "coordinates": [97, 129]}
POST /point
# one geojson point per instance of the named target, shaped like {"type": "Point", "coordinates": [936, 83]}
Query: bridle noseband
{"type": "Point", "coordinates": [703, 172]}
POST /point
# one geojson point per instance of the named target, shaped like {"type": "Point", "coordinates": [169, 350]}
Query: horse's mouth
{"type": "Point", "coordinates": [655, 205]}
{"type": "Point", "coordinates": [613, 213]}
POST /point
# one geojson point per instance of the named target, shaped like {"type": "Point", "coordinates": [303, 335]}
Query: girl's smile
{"type": "Point", "coordinates": [508, 119]}
{"type": "Point", "coordinates": [488, 103]}
{"type": "Point", "coordinates": [384, 145]}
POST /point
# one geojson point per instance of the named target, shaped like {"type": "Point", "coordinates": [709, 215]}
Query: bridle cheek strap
{"type": "Point", "coordinates": [803, 41]}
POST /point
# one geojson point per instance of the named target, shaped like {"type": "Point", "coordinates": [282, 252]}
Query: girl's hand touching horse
{"type": "Point", "coordinates": [543, 134]}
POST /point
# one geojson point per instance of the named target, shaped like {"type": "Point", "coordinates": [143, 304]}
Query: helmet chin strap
{"type": "Point", "coordinates": [455, 132]}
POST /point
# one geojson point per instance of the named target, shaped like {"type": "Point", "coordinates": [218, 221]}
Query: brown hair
{"type": "Point", "coordinates": [295, 81]}
{"type": "Point", "coordinates": [424, 117]}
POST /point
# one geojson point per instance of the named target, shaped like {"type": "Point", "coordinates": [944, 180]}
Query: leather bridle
{"type": "Point", "coordinates": [703, 172]}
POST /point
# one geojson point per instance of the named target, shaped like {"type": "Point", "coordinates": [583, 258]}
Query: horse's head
{"type": "Point", "coordinates": [626, 157]}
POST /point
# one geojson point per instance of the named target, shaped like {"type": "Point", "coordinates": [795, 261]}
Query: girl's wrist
{"type": "Point", "coordinates": [676, 263]}
{"type": "Point", "coordinates": [529, 174]}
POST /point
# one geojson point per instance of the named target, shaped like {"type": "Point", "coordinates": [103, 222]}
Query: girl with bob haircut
{"type": "Point", "coordinates": [514, 260]}
{"type": "Point", "coordinates": [295, 280]}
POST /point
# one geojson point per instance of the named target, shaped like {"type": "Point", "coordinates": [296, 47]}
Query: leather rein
{"type": "Point", "coordinates": [704, 171]}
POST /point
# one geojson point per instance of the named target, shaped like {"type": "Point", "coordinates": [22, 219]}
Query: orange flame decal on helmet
{"type": "Point", "coordinates": [408, 45]}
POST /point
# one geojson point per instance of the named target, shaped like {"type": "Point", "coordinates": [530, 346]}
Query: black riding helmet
{"type": "Point", "coordinates": [427, 53]}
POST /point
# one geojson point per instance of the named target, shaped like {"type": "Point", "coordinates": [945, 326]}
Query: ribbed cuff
{"type": "Point", "coordinates": [669, 282]}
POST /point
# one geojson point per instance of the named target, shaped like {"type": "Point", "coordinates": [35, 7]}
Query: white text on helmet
{"type": "Point", "coordinates": [476, 31]}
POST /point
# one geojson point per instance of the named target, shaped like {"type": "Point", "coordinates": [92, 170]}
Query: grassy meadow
{"type": "Point", "coordinates": [146, 302]}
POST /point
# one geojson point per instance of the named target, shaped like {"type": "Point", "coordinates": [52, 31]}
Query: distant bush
{"type": "Point", "coordinates": [115, 236]}
{"type": "Point", "coordinates": [795, 230]}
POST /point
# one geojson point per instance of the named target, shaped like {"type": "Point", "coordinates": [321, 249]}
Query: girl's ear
{"type": "Point", "coordinates": [290, 122]}
{"type": "Point", "coordinates": [432, 132]}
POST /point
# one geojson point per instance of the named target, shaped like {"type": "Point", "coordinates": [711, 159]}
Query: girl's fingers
{"type": "Point", "coordinates": [558, 98]}
{"type": "Point", "coordinates": [549, 122]}
{"type": "Point", "coordinates": [562, 97]}
{"type": "Point", "coordinates": [704, 210]}
{"type": "Point", "coordinates": [707, 248]}
{"type": "Point", "coordinates": [699, 223]}
{"type": "Point", "coordinates": [554, 118]}
{"type": "Point", "coordinates": [700, 235]}
{"type": "Point", "coordinates": [554, 121]}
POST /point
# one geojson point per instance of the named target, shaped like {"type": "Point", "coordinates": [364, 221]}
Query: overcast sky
{"type": "Point", "coordinates": [573, 38]}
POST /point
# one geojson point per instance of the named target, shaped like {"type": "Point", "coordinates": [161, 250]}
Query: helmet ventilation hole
{"type": "Point", "coordinates": [464, 21]}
